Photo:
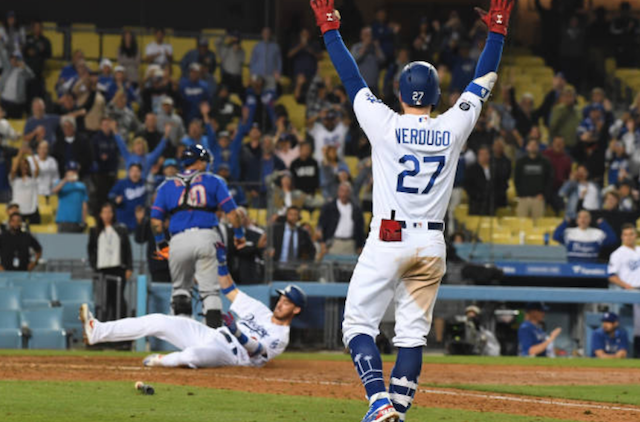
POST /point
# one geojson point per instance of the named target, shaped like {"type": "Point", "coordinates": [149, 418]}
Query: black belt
{"type": "Point", "coordinates": [431, 225]}
{"type": "Point", "coordinates": [228, 338]}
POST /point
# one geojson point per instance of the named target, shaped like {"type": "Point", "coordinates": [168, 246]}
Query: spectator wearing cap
{"type": "Point", "coordinates": [329, 131]}
{"type": "Point", "coordinates": [565, 118]}
{"type": "Point", "coordinates": [333, 171]}
{"type": "Point", "coordinates": [49, 174]}
{"type": "Point", "coordinates": [583, 242]}
{"type": "Point", "coordinates": [232, 58]}
{"type": "Point", "coordinates": [158, 51]}
{"type": "Point", "coordinates": [125, 118]}
{"type": "Point", "coordinates": [266, 60]}
{"type": "Point", "coordinates": [168, 116]}
{"type": "Point", "coordinates": [105, 161]}
{"type": "Point", "coordinates": [140, 154]}
{"type": "Point", "coordinates": [72, 146]}
{"type": "Point", "coordinates": [19, 249]}
{"type": "Point", "coordinates": [235, 190]}
{"type": "Point", "coordinates": [170, 168]}
{"type": "Point", "coordinates": [72, 201]}
{"type": "Point", "coordinates": [305, 170]}
{"type": "Point", "coordinates": [129, 56]}
{"type": "Point", "coordinates": [225, 110]}
{"type": "Point", "coordinates": [128, 194]}
{"type": "Point", "coordinates": [13, 83]}
{"type": "Point", "coordinates": [579, 192]}
{"type": "Point", "coordinates": [224, 149]}
{"type": "Point", "coordinates": [263, 99]}
{"type": "Point", "coordinates": [341, 224]}
{"type": "Point", "coordinates": [106, 81]}
{"type": "Point", "coordinates": [532, 339]}
{"type": "Point", "coordinates": [195, 135]}
{"type": "Point", "coordinates": [123, 84]}
{"type": "Point", "coordinates": [600, 101]}
{"type": "Point", "coordinates": [37, 51]}
{"type": "Point", "coordinates": [609, 341]}
{"type": "Point", "coordinates": [369, 57]}
{"type": "Point", "coordinates": [157, 85]}
{"type": "Point", "coordinates": [258, 163]}
{"type": "Point", "coordinates": [201, 55]}
{"type": "Point", "coordinates": [193, 92]}
{"type": "Point", "coordinates": [628, 201]}
{"type": "Point", "coordinates": [617, 162]}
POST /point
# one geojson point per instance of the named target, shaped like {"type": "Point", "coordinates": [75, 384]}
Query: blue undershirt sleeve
{"type": "Point", "coordinates": [344, 63]}
{"type": "Point", "coordinates": [491, 55]}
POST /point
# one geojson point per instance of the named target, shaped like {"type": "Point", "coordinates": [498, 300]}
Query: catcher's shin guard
{"type": "Point", "coordinates": [181, 305]}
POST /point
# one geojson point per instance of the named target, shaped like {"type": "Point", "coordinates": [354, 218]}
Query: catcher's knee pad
{"type": "Point", "coordinates": [213, 318]}
{"type": "Point", "coordinates": [181, 305]}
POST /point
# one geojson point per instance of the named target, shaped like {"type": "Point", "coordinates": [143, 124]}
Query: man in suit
{"type": "Point", "coordinates": [486, 182]}
{"type": "Point", "coordinates": [341, 224]}
{"type": "Point", "coordinates": [291, 244]}
{"type": "Point", "coordinates": [247, 264]}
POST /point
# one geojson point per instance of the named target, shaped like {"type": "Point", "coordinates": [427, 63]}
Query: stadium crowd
{"type": "Point", "coordinates": [577, 151]}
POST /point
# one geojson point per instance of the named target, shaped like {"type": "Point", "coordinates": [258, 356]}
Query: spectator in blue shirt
{"type": "Point", "coordinates": [129, 194]}
{"type": "Point", "coordinates": [201, 55]}
{"type": "Point", "coordinates": [41, 122]}
{"type": "Point", "coordinates": [266, 60]}
{"type": "Point", "coordinates": [139, 151]}
{"type": "Point", "coordinates": [121, 83]}
{"type": "Point", "coordinates": [385, 33]}
{"type": "Point", "coordinates": [583, 242]}
{"type": "Point", "coordinates": [169, 169]}
{"type": "Point", "coordinates": [235, 190]}
{"type": "Point", "coordinates": [193, 92]}
{"type": "Point", "coordinates": [463, 69]}
{"type": "Point", "coordinates": [532, 339]}
{"type": "Point", "coordinates": [304, 57]}
{"type": "Point", "coordinates": [105, 161]}
{"type": "Point", "coordinates": [72, 201]}
{"type": "Point", "coordinates": [224, 149]}
{"type": "Point", "coordinates": [69, 73]}
{"type": "Point", "coordinates": [609, 341]}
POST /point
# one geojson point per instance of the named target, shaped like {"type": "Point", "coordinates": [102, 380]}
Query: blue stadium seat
{"type": "Point", "coordinates": [46, 328]}
{"type": "Point", "coordinates": [73, 291]}
{"type": "Point", "coordinates": [35, 293]}
{"type": "Point", "coordinates": [10, 333]}
{"type": "Point", "coordinates": [10, 298]}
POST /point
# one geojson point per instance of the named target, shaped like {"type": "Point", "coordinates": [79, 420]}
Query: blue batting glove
{"type": "Point", "coordinates": [230, 322]}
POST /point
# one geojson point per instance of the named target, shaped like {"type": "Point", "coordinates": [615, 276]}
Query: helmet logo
{"type": "Point", "coordinates": [329, 17]}
{"type": "Point", "coordinates": [499, 19]}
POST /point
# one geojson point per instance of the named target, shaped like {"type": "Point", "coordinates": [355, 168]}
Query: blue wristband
{"type": "Point", "coordinates": [159, 238]}
{"type": "Point", "coordinates": [230, 288]}
{"type": "Point", "coordinates": [238, 232]}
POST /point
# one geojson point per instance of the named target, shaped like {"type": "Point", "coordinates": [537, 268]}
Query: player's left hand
{"type": "Point", "coordinates": [230, 322]}
{"type": "Point", "coordinates": [239, 243]}
{"type": "Point", "coordinates": [327, 18]}
{"type": "Point", "coordinates": [497, 19]}
{"type": "Point", "coordinates": [162, 251]}
{"type": "Point", "coordinates": [221, 253]}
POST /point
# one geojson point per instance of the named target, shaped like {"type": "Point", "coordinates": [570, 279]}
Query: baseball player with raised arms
{"type": "Point", "coordinates": [414, 165]}
{"type": "Point", "coordinates": [190, 201]}
{"type": "Point", "coordinates": [257, 336]}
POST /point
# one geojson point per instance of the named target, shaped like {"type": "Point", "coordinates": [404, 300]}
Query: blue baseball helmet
{"type": "Point", "coordinates": [194, 153]}
{"type": "Point", "coordinates": [295, 294]}
{"type": "Point", "coordinates": [420, 85]}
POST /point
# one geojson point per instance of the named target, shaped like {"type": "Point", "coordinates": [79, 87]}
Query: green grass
{"type": "Point", "coordinates": [619, 393]}
{"type": "Point", "coordinates": [118, 401]}
{"type": "Point", "coordinates": [343, 357]}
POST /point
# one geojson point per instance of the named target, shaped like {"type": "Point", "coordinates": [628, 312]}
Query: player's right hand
{"type": "Point", "coordinates": [239, 243]}
{"type": "Point", "coordinates": [327, 18]}
{"type": "Point", "coordinates": [162, 251]}
{"type": "Point", "coordinates": [497, 19]}
{"type": "Point", "coordinates": [230, 322]}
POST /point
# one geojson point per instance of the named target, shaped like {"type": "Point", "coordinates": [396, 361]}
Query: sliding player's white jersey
{"type": "Point", "coordinates": [414, 157]}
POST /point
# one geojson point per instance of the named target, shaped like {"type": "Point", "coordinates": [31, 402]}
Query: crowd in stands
{"type": "Point", "coordinates": [111, 135]}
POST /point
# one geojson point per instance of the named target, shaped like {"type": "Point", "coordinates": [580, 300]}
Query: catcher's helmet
{"type": "Point", "coordinates": [420, 84]}
{"type": "Point", "coordinates": [195, 153]}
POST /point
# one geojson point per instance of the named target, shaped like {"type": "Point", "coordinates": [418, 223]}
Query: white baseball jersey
{"type": "Point", "coordinates": [323, 137]}
{"type": "Point", "coordinates": [202, 346]}
{"type": "Point", "coordinates": [625, 263]}
{"type": "Point", "coordinates": [414, 157]}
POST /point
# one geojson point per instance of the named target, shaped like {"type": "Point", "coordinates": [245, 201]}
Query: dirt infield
{"type": "Point", "coordinates": [338, 380]}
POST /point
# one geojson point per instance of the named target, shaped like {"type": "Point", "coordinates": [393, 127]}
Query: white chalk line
{"type": "Point", "coordinates": [495, 397]}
